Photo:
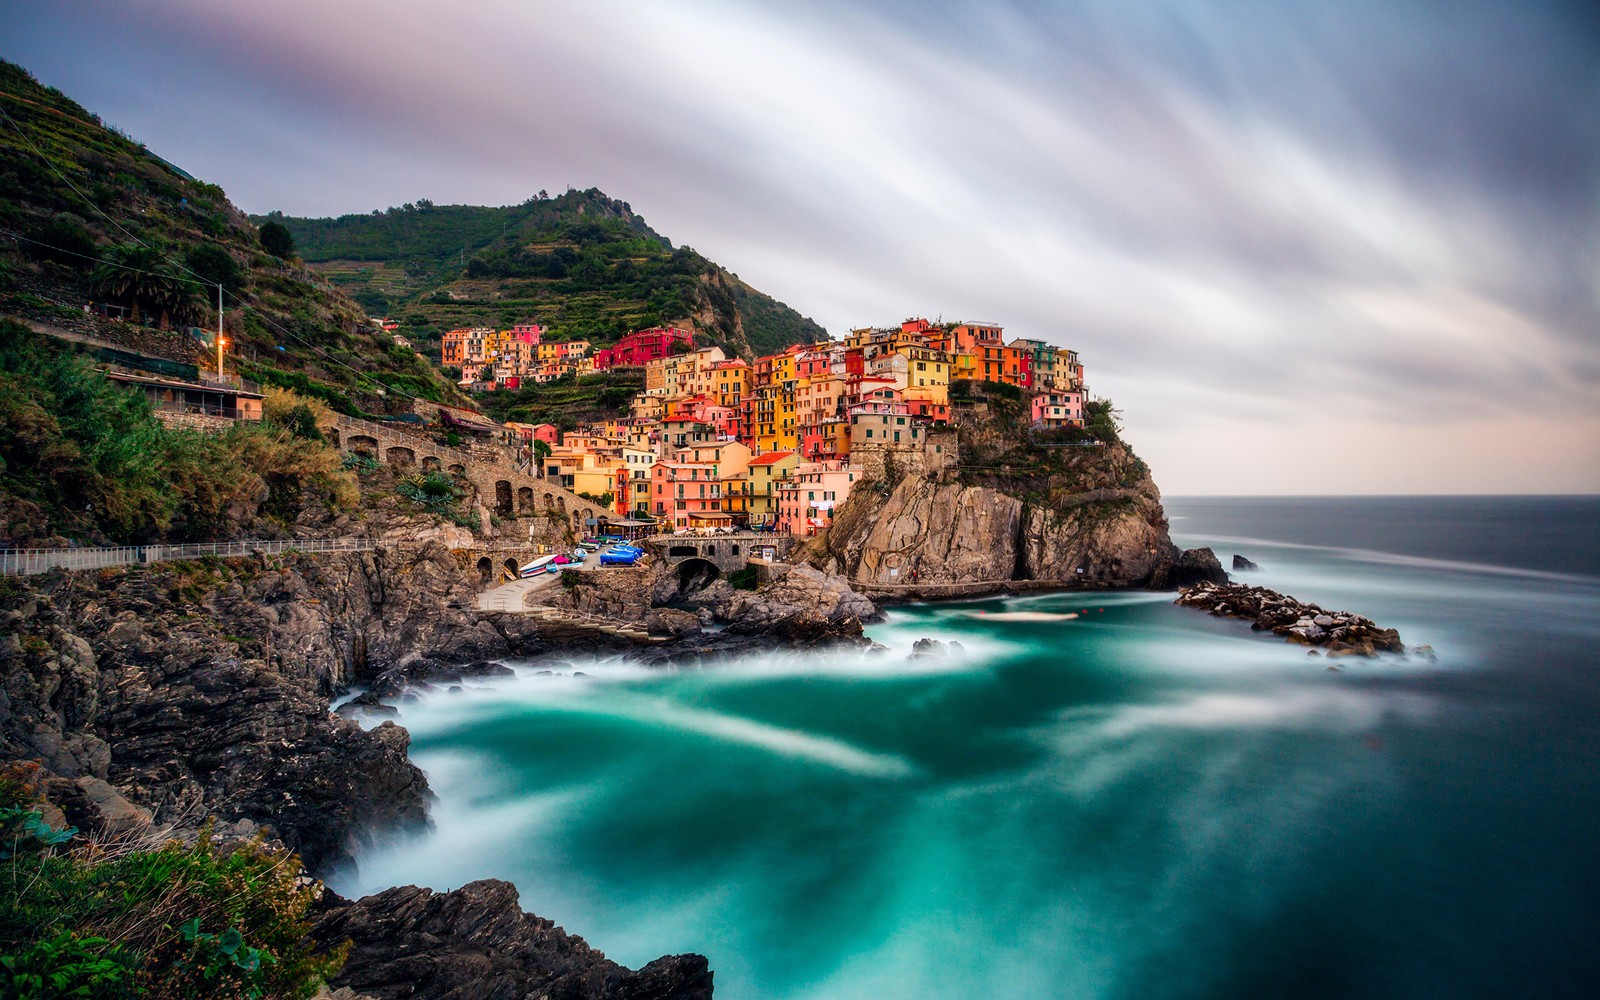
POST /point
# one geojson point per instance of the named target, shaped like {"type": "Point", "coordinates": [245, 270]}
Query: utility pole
{"type": "Point", "coordinates": [220, 341]}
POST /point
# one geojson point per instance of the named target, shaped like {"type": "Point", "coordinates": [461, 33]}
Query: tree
{"type": "Point", "coordinates": [277, 240]}
{"type": "Point", "coordinates": [64, 240]}
{"type": "Point", "coordinates": [215, 266]}
{"type": "Point", "coordinates": [141, 277]}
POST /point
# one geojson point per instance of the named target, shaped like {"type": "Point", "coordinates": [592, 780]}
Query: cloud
{"type": "Point", "coordinates": [1314, 219]}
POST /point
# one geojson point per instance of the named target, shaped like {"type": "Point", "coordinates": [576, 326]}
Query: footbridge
{"type": "Point", "coordinates": [728, 553]}
{"type": "Point", "coordinates": [509, 489]}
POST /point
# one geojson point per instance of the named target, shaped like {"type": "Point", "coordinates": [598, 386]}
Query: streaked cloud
{"type": "Point", "coordinates": [1359, 244]}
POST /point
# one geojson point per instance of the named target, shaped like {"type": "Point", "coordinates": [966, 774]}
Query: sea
{"type": "Point", "coordinates": [1092, 794]}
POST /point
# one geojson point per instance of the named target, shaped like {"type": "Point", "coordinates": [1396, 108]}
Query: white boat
{"type": "Point", "coordinates": [539, 565]}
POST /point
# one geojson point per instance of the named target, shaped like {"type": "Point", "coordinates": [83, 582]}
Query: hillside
{"type": "Point", "coordinates": [581, 264]}
{"type": "Point", "coordinates": [91, 218]}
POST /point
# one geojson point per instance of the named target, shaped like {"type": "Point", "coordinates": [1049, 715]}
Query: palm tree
{"type": "Point", "coordinates": [142, 277]}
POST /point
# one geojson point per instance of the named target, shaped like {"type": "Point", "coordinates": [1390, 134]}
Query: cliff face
{"type": "Point", "coordinates": [194, 689]}
{"type": "Point", "coordinates": [1095, 522]}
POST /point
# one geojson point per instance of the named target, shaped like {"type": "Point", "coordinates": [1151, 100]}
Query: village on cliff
{"type": "Point", "coordinates": [771, 444]}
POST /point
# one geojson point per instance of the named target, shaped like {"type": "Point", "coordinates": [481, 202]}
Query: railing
{"type": "Point", "coordinates": [24, 562]}
{"type": "Point", "coordinates": [197, 409]}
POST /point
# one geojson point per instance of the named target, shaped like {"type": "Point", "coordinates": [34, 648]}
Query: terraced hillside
{"type": "Point", "coordinates": [582, 264]}
{"type": "Point", "coordinates": [91, 218]}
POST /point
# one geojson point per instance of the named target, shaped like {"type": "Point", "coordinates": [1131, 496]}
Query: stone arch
{"type": "Point", "coordinates": [695, 574]}
{"type": "Point", "coordinates": [362, 443]}
{"type": "Point", "coordinates": [549, 504]}
{"type": "Point", "coordinates": [458, 470]}
{"type": "Point", "coordinates": [711, 550]}
{"type": "Point", "coordinates": [401, 455]}
{"type": "Point", "coordinates": [525, 501]}
{"type": "Point", "coordinates": [332, 434]}
{"type": "Point", "coordinates": [430, 463]}
{"type": "Point", "coordinates": [736, 550]}
{"type": "Point", "coordinates": [512, 567]}
{"type": "Point", "coordinates": [502, 497]}
{"type": "Point", "coordinates": [486, 570]}
{"type": "Point", "coordinates": [682, 550]}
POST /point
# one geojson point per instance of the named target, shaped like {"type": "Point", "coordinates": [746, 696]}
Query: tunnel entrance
{"type": "Point", "coordinates": [695, 575]}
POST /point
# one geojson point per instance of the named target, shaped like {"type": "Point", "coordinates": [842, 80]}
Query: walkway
{"type": "Point", "coordinates": [513, 597]}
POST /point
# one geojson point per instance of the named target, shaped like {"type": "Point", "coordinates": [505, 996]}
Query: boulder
{"type": "Point", "coordinates": [1243, 565]}
{"type": "Point", "coordinates": [476, 943]}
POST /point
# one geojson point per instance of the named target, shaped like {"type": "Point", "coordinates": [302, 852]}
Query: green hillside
{"type": "Point", "coordinates": [89, 216]}
{"type": "Point", "coordinates": [582, 264]}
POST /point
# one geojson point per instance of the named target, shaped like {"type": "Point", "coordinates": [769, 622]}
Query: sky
{"type": "Point", "coordinates": [1317, 248]}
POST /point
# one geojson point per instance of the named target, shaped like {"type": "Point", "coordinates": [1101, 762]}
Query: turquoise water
{"type": "Point", "coordinates": [1141, 801]}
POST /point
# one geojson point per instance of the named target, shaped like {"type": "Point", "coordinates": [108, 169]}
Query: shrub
{"type": "Point", "coordinates": [168, 921]}
{"type": "Point", "coordinates": [432, 491]}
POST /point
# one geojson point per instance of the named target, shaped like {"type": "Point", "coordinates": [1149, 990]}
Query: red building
{"type": "Point", "coordinates": [643, 346]}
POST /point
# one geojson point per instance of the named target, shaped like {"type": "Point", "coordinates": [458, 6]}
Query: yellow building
{"type": "Point", "coordinates": [766, 472]}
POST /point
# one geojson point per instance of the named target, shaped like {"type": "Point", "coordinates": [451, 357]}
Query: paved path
{"type": "Point", "coordinates": [513, 596]}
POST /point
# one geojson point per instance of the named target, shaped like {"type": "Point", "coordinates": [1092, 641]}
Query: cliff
{"type": "Point", "coordinates": [1014, 509]}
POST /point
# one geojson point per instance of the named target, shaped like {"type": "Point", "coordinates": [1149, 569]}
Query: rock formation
{"type": "Point", "coordinates": [933, 535]}
{"type": "Point", "coordinates": [476, 944]}
{"type": "Point", "coordinates": [1341, 633]}
{"type": "Point", "coordinates": [1243, 565]}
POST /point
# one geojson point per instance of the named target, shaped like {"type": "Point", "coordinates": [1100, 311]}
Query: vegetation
{"type": "Point", "coordinates": [568, 401]}
{"type": "Point", "coordinates": [582, 264]}
{"type": "Point", "coordinates": [1070, 468]}
{"type": "Point", "coordinates": [85, 458]}
{"type": "Point", "coordinates": [90, 198]}
{"type": "Point", "coordinates": [91, 920]}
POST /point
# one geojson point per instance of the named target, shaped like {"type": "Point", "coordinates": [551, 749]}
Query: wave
{"type": "Point", "coordinates": [1397, 559]}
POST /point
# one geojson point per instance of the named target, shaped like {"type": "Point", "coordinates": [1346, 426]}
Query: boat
{"type": "Point", "coordinates": [616, 558]}
{"type": "Point", "coordinates": [537, 566]}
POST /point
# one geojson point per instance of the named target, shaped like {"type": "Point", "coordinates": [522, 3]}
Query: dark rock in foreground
{"type": "Point", "coordinates": [1341, 633]}
{"type": "Point", "coordinates": [476, 944]}
{"type": "Point", "coordinates": [1243, 565]}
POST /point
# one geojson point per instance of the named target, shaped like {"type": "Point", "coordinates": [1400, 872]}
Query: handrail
{"type": "Point", "coordinates": [25, 562]}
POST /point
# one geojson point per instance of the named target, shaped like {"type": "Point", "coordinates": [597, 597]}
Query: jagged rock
{"type": "Point", "coordinates": [671, 622]}
{"type": "Point", "coordinates": [476, 944]}
{"type": "Point", "coordinates": [1302, 624]}
{"type": "Point", "coordinates": [1243, 565]}
{"type": "Point", "coordinates": [928, 649]}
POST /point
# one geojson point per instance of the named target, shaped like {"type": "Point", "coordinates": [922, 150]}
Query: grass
{"type": "Point", "coordinates": [127, 916]}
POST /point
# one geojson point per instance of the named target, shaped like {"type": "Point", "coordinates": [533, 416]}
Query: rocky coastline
{"type": "Point", "coordinates": [1337, 633]}
{"type": "Point", "coordinates": [159, 698]}
{"type": "Point", "coordinates": [166, 696]}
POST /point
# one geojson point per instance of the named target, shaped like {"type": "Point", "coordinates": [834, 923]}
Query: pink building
{"type": "Point", "coordinates": [681, 490]}
{"type": "Point", "coordinates": [1058, 409]}
{"type": "Point", "coordinates": [807, 499]}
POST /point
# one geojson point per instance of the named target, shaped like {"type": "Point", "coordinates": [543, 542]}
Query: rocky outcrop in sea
{"type": "Point", "coordinates": [933, 536]}
{"type": "Point", "coordinates": [1338, 633]}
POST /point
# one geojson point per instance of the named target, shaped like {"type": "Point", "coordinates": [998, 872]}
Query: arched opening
{"type": "Point", "coordinates": [459, 471]}
{"type": "Point", "coordinates": [332, 434]}
{"type": "Point", "coordinates": [363, 443]}
{"type": "Point", "coordinates": [695, 575]}
{"type": "Point", "coordinates": [736, 550]}
{"type": "Point", "coordinates": [486, 570]}
{"type": "Point", "coordinates": [525, 501]}
{"type": "Point", "coordinates": [430, 463]}
{"type": "Point", "coordinates": [682, 550]}
{"type": "Point", "coordinates": [549, 504]}
{"type": "Point", "coordinates": [399, 455]}
{"type": "Point", "coordinates": [711, 550]}
{"type": "Point", "coordinates": [502, 498]}
{"type": "Point", "coordinates": [511, 568]}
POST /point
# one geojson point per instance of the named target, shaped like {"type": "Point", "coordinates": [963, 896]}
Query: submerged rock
{"type": "Point", "coordinates": [1243, 565]}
